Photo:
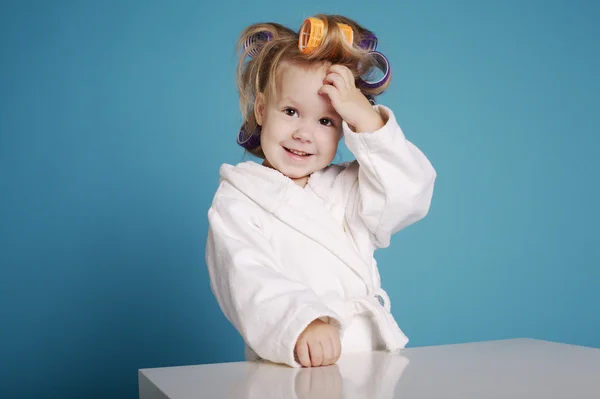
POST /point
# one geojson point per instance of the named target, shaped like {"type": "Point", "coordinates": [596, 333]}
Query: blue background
{"type": "Point", "coordinates": [115, 117]}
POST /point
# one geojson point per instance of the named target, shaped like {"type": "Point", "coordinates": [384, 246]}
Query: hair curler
{"type": "Point", "coordinates": [368, 42]}
{"type": "Point", "coordinates": [252, 40]}
{"type": "Point", "coordinates": [311, 34]}
{"type": "Point", "coordinates": [251, 142]}
{"type": "Point", "coordinates": [381, 63]}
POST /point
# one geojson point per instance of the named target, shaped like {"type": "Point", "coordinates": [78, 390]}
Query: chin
{"type": "Point", "coordinates": [292, 174]}
{"type": "Point", "coordinates": [298, 177]}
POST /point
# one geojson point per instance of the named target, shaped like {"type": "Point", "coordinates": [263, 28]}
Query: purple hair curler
{"type": "Point", "coordinates": [258, 37]}
{"type": "Point", "coordinates": [382, 63]}
{"type": "Point", "coordinates": [251, 142]}
{"type": "Point", "coordinates": [368, 42]}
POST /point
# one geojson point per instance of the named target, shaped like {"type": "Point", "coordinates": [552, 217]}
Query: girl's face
{"type": "Point", "coordinates": [300, 127]}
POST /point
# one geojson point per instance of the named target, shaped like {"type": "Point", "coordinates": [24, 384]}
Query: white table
{"type": "Point", "coordinates": [516, 369]}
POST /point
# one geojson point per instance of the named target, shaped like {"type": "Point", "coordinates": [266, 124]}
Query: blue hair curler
{"type": "Point", "coordinates": [249, 142]}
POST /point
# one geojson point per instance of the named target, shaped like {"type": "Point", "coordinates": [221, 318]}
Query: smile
{"type": "Point", "coordinates": [296, 154]}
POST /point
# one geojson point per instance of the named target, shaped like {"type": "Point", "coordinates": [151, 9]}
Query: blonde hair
{"type": "Point", "coordinates": [257, 74]}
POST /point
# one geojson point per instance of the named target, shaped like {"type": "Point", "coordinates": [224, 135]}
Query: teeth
{"type": "Point", "coordinates": [298, 152]}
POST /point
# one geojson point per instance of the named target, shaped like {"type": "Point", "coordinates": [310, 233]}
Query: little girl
{"type": "Point", "coordinates": [291, 241]}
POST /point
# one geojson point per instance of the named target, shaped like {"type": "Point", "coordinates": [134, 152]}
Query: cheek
{"type": "Point", "coordinates": [266, 134]}
{"type": "Point", "coordinates": [329, 145]}
{"type": "Point", "coordinates": [271, 129]}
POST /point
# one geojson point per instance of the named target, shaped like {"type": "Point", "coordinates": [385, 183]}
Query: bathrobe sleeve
{"type": "Point", "coordinates": [395, 180]}
{"type": "Point", "coordinates": [269, 310]}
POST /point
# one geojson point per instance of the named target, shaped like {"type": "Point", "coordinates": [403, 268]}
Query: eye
{"type": "Point", "coordinates": [326, 122]}
{"type": "Point", "coordinates": [290, 112]}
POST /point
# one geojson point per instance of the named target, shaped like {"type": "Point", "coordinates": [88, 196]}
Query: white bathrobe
{"type": "Point", "coordinates": [280, 256]}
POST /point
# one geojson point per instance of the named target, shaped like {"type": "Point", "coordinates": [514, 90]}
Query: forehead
{"type": "Point", "coordinates": [299, 79]}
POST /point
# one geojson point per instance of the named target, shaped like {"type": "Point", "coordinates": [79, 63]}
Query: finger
{"type": "Point", "coordinates": [316, 353]}
{"type": "Point", "coordinates": [331, 92]}
{"type": "Point", "coordinates": [336, 80]}
{"type": "Point", "coordinates": [303, 354]}
{"type": "Point", "coordinates": [343, 71]}
{"type": "Point", "coordinates": [327, 346]}
{"type": "Point", "coordinates": [337, 348]}
{"type": "Point", "coordinates": [350, 78]}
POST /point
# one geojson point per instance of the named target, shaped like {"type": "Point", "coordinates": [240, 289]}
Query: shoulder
{"type": "Point", "coordinates": [230, 200]}
{"type": "Point", "coordinates": [228, 194]}
{"type": "Point", "coordinates": [235, 217]}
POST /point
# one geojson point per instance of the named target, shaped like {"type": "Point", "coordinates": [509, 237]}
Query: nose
{"type": "Point", "coordinates": [303, 133]}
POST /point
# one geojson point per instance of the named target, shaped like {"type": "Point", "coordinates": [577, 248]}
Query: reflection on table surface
{"type": "Point", "coordinates": [515, 369]}
{"type": "Point", "coordinates": [356, 376]}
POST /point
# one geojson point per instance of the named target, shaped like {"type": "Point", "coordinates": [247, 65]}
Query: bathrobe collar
{"type": "Point", "coordinates": [299, 208]}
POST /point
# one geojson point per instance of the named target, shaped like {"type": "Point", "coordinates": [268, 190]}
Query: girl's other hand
{"type": "Point", "coordinates": [318, 345]}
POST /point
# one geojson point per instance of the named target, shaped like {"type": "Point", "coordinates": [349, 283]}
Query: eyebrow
{"type": "Point", "coordinates": [288, 100]}
{"type": "Point", "coordinates": [330, 113]}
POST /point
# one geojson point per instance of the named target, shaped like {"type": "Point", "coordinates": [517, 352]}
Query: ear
{"type": "Point", "coordinates": [259, 108]}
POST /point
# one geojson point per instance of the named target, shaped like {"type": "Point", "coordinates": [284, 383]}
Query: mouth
{"type": "Point", "coordinates": [296, 153]}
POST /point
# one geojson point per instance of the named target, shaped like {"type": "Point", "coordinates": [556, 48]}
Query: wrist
{"type": "Point", "coordinates": [370, 122]}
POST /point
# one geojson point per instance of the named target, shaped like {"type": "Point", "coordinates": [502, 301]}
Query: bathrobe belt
{"type": "Point", "coordinates": [377, 305]}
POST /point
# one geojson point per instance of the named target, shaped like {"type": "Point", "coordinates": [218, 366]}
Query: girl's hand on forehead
{"type": "Point", "coordinates": [348, 100]}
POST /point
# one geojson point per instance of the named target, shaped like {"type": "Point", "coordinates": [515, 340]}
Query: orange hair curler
{"type": "Point", "coordinates": [311, 34]}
